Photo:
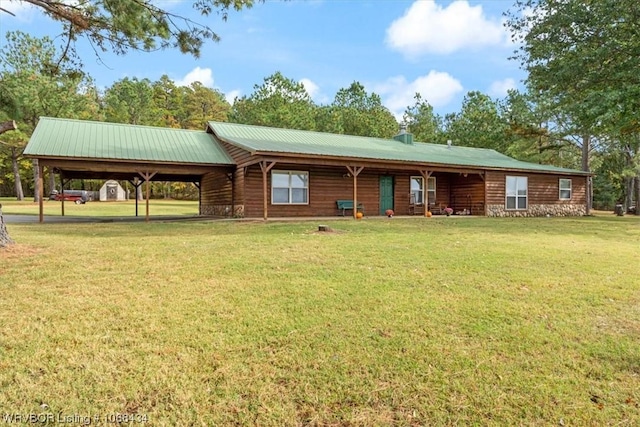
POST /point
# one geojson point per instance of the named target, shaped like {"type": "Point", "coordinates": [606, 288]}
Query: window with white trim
{"type": "Point", "coordinates": [516, 194]}
{"type": "Point", "coordinates": [289, 188]}
{"type": "Point", "coordinates": [565, 189]}
{"type": "Point", "coordinates": [431, 190]}
{"type": "Point", "coordinates": [417, 189]}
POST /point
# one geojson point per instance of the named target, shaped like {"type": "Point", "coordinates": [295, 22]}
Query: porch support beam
{"type": "Point", "coordinates": [355, 171]}
{"type": "Point", "coordinates": [198, 185]}
{"type": "Point", "coordinates": [40, 184]}
{"type": "Point", "coordinates": [147, 175]}
{"type": "Point", "coordinates": [483, 175]}
{"type": "Point", "coordinates": [265, 166]}
{"type": "Point", "coordinates": [136, 185]}
{"type": "Point", "coordinates": [231, 177]}
{"type": "Point", "coordinates": [426, 174]}
{"type": "Point", "coordinates": [63, 182]}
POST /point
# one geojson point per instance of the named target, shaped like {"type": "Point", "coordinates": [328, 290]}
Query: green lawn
{"type": "Point", "coordinates": [99, 209]}
{"type": "Point", "coordinates": [422, 321]}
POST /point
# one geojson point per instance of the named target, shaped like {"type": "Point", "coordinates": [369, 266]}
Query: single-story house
{"type": "Point", "coordinates": [261, 172]}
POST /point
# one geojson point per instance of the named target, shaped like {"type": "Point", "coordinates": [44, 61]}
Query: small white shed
{"type": "Point", "coordinates": [112, 191]}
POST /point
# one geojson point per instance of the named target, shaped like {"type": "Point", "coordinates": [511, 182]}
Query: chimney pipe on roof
{"type": "Point", "coordinates": [404, 136]}
{"type": "Point", "coordinates": [449, 144]}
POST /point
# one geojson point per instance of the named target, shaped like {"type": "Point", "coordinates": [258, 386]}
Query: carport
{"type": "Point", "coordinates": [77, 149]}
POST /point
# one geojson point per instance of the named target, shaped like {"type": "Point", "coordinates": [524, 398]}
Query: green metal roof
{"type": "Point", "coordinates": [113, 141]}
{"type": "Point", "coordinates": [274, 140]}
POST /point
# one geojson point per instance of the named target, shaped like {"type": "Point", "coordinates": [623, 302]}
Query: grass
{"type": "Point", "coordinates": [157, 207]}
{"type": "Point", "coordinates": [440, 321]}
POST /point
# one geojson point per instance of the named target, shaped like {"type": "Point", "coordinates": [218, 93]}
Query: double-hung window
{"type": "Point", "coordinates": [417, 189]}
{"type": "Point", "coordinates": [565, 189]}
{"type": "Point", "coordinates": [289, 187]}
{"type": "Point", "coordinates": [431, 189]}
{"type": "Point", "coordinates": [516, 192]}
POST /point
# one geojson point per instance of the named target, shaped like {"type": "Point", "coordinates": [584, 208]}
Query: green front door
{"type": "Point", "coordinates": [386, 193]}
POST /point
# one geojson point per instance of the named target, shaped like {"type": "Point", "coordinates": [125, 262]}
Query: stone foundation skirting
{"type": "Point", "coordinates": [226, 211]}
{"type": "Point", "coordinates": [538, 210]}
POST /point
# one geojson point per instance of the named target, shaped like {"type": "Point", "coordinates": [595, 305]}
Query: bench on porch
{"type": "Point", "coordinates": [344, 205]}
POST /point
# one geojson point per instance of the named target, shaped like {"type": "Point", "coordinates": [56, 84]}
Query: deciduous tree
{"type": "Point", "coordinates": [584, 55]}
{"type": "Point", "coordinates": [202, 104]}
{"type": "Point", "coordinates": [131, 101]}
{"type": "Point", "coordinates": [478, 124]}
{"type": "Point", "coordinates": [35, 82]}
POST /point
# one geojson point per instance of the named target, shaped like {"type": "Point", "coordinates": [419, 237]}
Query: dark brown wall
{"type": "Point", "coordinates": [328, 184]}
{"type": "Point", "coordinates": [215, 193]}
{"type": "Point", "coordinates": [467, 193]}
{"type": "Point", "coordinates": [238, 155]}
{"type": "Point", "coordinates": [543, 189]}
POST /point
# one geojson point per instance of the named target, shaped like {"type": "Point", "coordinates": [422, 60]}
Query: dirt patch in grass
{"type": "Point", "coordinates": [325, 229]}
{"type": "Point", "coordinates": [18, 250]}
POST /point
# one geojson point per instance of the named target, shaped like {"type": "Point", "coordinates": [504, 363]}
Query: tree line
{"type": "Point", "coordinates": [551, 122]}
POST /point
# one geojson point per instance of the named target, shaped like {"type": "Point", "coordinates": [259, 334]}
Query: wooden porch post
{"type": "Point", "coordinates": [232, 180]}
{"type": "Point", "coordinates": [136, 184]}
{"type": "Point", "coordinates": [41, 193]}
{"type": "Point", "coordinates": [426, 175]}
{"type": "Point", "coordinates": [62, 184]}
{"type": "Point", "coordinates": [355, 171]}
{"type": "Point", "coordinates": [199, 187]}
{"type": "Point", "coordinates": [147, 178]}
{"type": "Point", "coordinates": [266, 167]}
{"type": "Point", "coordinates": [484, 180]}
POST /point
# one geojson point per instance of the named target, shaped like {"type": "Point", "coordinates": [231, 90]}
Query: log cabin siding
{"type": "Point", "coordinates": [403, 191]}
{"type": "Point", "coordinates": [443, 190]}
{"type": "Point", "coordinates": [467, 193]}
{"type": "Point", "coordinates": [238, 192]}
{"type": "Point", "coordinates": [543, 196]}
{"type": "Point", "coordinates": [239, 155]}
{"type": "Point", "coordinates": [495, 187]}
{"type": "Point", "coordinates": [463, 193]}
{"type": "Point", "coordinates": [326, 185]}
{"type": "Point", "coordinates": [542, 188]}
{"type": "Point", "coordinates": [216, 197]}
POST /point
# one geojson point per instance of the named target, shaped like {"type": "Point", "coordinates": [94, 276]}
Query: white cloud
{"type": "Point", "coordinates": [232, 95]}
{"type": "Point", "coordinates": [438, 88]}
{"type": "Point", "coordinates": [312, 88]}
{"type": "Point", "coordinates": [202, 75]}
{"type": "Point", "coordinates": [22, 11]}
{"type": "Point", "coordinates": [500, 88]}
{"type": "Point", "coordinates": [427, 27]}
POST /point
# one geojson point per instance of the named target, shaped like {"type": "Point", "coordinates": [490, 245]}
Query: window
{"type": "Point", "coordinates": [417, 189]}
{"type": "Point", "coordinates": [289, 188]}
{"type": "Point", "coordinates": [516, 192]}
{"type": "Point", "coordinates": [431, 190]}
{"type": "Point", "coordinates": [565, 189]}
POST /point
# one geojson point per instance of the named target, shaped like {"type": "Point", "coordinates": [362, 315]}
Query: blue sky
{"type": "Point", "coordinates": [395, 48]}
